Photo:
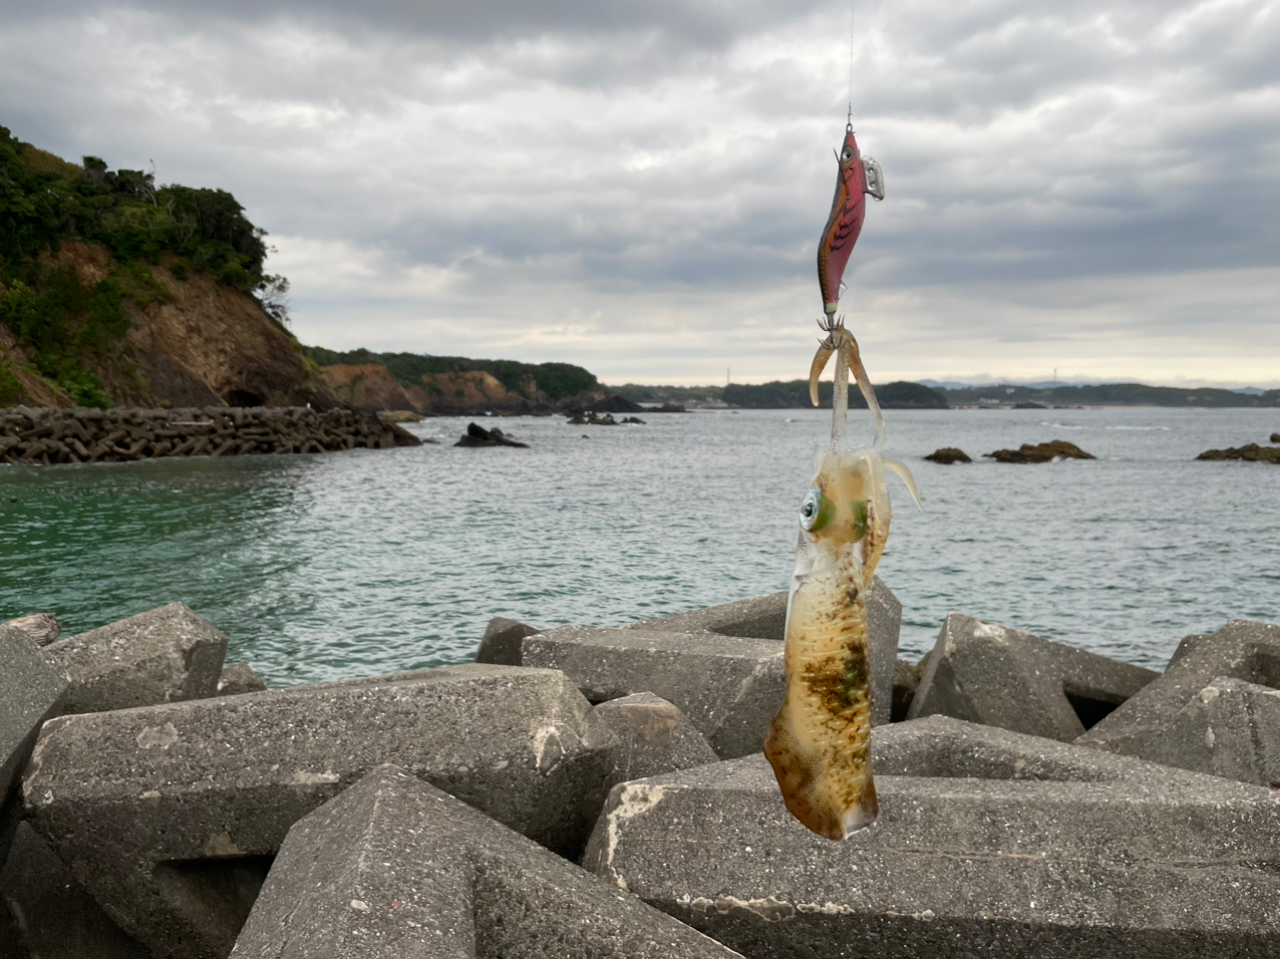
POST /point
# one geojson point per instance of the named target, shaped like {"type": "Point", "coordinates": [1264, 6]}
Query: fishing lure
{"type": "Point", "coordinates": [857, 177]}
{"type": "Point", "coordinates": [818, 742]}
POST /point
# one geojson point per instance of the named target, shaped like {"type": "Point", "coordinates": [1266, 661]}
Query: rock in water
{"type": "Point", "coordinates": [1042, 453]}
{"type": "Point", "coordinates": [1252, 453]}
{"type": "Point", "coordinates": [477, 435]}
{"type": "Point", "coordinates": [948, 455]}
{"type": "Point", "coordinates": [1275, 437]}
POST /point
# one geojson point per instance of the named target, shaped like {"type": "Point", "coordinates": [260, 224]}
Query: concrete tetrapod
{"type": "Point", "coordinates": [1149, 724]}
{"type": "Point", "coordinates": [1139, 861]}
{"type": "Point", "coordinates": [161, 656]}
{"type": "Point", "coordinates": [729, 688]}
{"type": "Point", "coordinates": [170, 814]}
{"type": "Point", "coordinates": [655, 737]}
{"type": "Point", "coordinates": [32, 689]}
{"type": "Point", "coordinates": [395, 868]}
{"type": "Point", "coordinates": [990, 674]}
{"type": "Point", "coordinates": [53, 917]}
{"type": "Point", "coordinates": [765, 617]}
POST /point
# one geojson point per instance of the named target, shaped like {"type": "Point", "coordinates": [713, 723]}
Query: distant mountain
{"type": "Point", "coordinates": [793, 394]}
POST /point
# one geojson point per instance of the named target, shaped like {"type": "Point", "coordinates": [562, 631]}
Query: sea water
{"type": "Point", "coordinates": [360, 563]}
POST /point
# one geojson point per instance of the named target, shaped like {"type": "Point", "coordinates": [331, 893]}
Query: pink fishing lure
{"type": "Point", "coordinates": [856, 178]}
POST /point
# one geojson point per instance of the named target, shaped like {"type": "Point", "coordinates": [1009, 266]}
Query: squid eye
{"type": "Point", "coordinates": [811, 510]}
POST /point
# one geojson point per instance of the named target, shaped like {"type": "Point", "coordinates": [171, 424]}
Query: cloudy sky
{"type": "Point", "coordinates": [639, 187]}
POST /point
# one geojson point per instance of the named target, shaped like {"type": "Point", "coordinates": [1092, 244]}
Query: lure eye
{"type": "Point", "coordinates": [847, 155]}
{"type": "Point", "coordinates": [811, 510]}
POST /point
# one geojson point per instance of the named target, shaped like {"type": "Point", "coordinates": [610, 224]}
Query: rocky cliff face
{"type": "Point", "coordinates": [371, 386]}
{"type": "Point", "coordinates": [202, 344]}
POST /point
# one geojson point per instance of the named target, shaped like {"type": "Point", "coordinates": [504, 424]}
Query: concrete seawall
{"type": "Point", "coordinates": [573, 794]}
{"type": "Point", "coordinates": [48, 436]}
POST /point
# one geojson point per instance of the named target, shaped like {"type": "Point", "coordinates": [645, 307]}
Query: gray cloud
{"type": "Point", "coordinates": [661, 164]}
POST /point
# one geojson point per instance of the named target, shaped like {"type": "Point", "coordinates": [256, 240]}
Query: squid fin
{"type": "Point", "coordinates": [820, 359]}
{"type": "Point", "coordinates": [899, 468]}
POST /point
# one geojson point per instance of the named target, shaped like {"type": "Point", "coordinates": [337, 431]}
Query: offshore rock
{"type": "Point", "coordinates": [396, 868]}
{"type": "Point", "coordinates": [1041, 453]}
{"type": "Point", "coordinates": [990, 674]}
{"type": "Point", "coordinates": [1119, 858]}
{"type": "Point", "coordinates": [171, 814]}
{"type": "Point", "coordinates": [477, 435]}
{"type": "Point", "coordinates": [948, 455]}
{"type": "Point", "coordinates": [1252, 453]}
{"type": "Point", "coordinates": [162, 656]}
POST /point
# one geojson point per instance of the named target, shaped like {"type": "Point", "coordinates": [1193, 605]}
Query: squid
{"type": "Point", "coordinates": [818, 744]}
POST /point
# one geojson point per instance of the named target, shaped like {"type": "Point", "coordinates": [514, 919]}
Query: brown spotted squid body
{"type": "Point", "coordinates": [818, 743]}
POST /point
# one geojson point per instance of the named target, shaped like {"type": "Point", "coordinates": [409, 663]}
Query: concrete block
{"type": "Point", "coordinates": [171, 814]}
{"type": "Point", "coordinates": [656, 737]}
{"type": "Point", "coordinates": [396, 868]}
{"type": "Point", "coordinates": [1230, 728]}
{"type": "Point", "coordinates": [1240, 650]}
{"type": "Point", "coordinates": [238, 679]}
{"type": "Point", "coordinates": [990, 674]}
{"type": "Point", "coordinates": [906, 677]}
{"type": "Point", "coordinates": [766, 616]}
{"type": "Point", "coordinates": [51, 913]}
{"type": "Point", "coordinates": [32, 689]}
{"type": "Point", "coordinates": [728, 687]}
{"type": "Point", "coordinates": [1142, 861]}
{"type": "Point", "coordinates": [947, 747]}
{"type": "Point", "coordinates": [164, 655]}
{"type": "Point", "coordinates": [501, 643]}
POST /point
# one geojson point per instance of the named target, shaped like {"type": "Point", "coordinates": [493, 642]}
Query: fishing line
{"type": "Point", "coordinates": [851, 3]}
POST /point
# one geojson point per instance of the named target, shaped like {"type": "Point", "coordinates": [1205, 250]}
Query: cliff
{"type": "Point", "coordinates": [199, 342]}
{"type": "Point", "coordinates": [114, 290]}
{"type": "Point", "coordinates": [459, 386]}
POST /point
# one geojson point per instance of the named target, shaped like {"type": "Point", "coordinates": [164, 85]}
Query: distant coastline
{"type": "Point", "coordinates": [794, 394]}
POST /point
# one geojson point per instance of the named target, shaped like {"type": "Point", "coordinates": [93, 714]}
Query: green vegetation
{"type": "Point", "coordinates": [684, 395]}
{"type": "Point", "coordinates": [1109, 394]}
{"type": "Point", "coordinates": [557, 380]}
{"type": "Point", "coordinates": [783, 395]}
{"type": "Point", "coordinates": [46, 201]}
{"type": "Point", "coordinates": [10, 385]}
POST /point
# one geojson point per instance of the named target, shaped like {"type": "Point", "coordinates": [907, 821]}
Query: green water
{"type": "Point", "coordinates": [349, 564]}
